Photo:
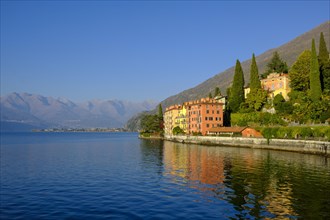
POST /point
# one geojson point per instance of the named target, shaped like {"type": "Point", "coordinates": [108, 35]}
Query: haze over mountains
{"type": "Point", "coordinates": [23, 111]}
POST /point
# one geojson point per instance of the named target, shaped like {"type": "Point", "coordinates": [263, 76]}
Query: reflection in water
{"type": "Point", "coordinates": [258, 183]}
{"type": "Point", "coordinates": [152, 154]}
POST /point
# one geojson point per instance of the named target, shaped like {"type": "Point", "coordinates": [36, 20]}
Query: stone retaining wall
{"type": "Point", "coordinates": [303, 146]}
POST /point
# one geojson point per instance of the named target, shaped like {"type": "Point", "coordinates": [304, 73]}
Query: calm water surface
{"type": "Point", "coordinates": [118, 176]}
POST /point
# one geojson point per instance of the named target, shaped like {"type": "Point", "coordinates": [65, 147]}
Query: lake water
{"type": "Point", "coordinates": [118, 176]}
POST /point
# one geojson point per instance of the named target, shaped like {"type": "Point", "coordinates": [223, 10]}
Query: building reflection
{"type": "Point", "coordinates": [193, 163]}
{"type": "Point", "coordinates": [258, 183]}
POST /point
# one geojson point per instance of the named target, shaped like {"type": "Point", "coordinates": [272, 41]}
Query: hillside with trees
{"type": "Point", "coordinates": [309, 98]}
{"type": "Point", "coordinates": [288, 53]}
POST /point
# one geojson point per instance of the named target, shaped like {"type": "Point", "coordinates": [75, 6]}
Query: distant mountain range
{"type": "Point", "coordinates": [289, 52]}
{"type": "Point", "coordinates": [23, 111]}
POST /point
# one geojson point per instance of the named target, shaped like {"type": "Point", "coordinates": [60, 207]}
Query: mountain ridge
{"type": "Point", "coordinates": [37, 111]}
{"type": "Point", "coordinates": [288, 52]}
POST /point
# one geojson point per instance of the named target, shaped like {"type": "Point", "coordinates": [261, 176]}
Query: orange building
{"type": "Point", "coordinates": [203, 114]}
{"type": "Point", "coordinates": [233, 131]}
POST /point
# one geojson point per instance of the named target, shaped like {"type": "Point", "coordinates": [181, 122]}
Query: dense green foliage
{"type": "Point", "coordinates": [256, 119]}
{"type": "Point", "coordinates": [325, 70]}
{"type": "Point", "coordinates": [281, 106]}
{"type": "Point", "coordinates": [151, 124]}
{"type": "Point", "coordinates": [324, 64]}
{"type": "Point", "coordinates": [237, 89]}
{"type": "Point", "coordinates": [323, 51]}
{"type": "Point", "coordinates": [299, 72]}
{"type": "Point", "coordinates": [254, 76]}
{"type": "Point", "coordinates": [255, 101]}
{"type": "Point", "coordinates": [257, 97]}
{"type": "Point", "coordinates": [276, 65]}
{"type": "Point", "coordinates": [296, 132]}
{"type": "Point", "coordinates": [177, 130]}
{"type": "Point", "coordinates": [314, 76]}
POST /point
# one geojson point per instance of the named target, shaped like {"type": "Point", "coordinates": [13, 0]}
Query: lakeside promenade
{"type": "Point", "coordinates": [301, 146]}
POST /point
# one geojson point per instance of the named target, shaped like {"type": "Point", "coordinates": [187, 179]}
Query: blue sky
{"type": "Point", "coordinates": [138, 50]}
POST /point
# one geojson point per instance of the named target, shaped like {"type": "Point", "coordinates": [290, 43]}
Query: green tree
{"type": "Point", "coordinates": [281, 106]}
{"type": "Point", "coordinates": [326, 77]}
{"type": "Point", "coordinates": [254, 76]}
{"type": "Point", "coordinates": [323, 51]}
{"type": "Point", "coordinates": [299, 72]}
{"type": "Point", "coordinates": [324, 64]}
{"type": "Point", "coordinates": [177, 130]}
{"type": "Point", "coordinates": [160, 117]}
{"type": "Point", "coordinates": [160, 111]}
{"type": "Point", "coordinates": [217, 92]}
{"type": "Point", "coordinates": [276, 65]}
{"type": "Point", "coordinates": [150, 124]}
{"type": "Point", "coordinates": [278, 99]}
{"type": "Point", "coordinates": [314, 76]}
{"type": "Point", "coordinates": [237, 89]}
{"type": "Point", "coordinates": [255, 101]}
{"type": "Point", "coordinates": [210, 95]}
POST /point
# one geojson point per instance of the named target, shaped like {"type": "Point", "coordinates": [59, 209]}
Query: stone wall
{"type": "Point", "coordinates": [303, 146]}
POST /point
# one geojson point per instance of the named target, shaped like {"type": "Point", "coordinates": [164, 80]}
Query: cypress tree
{"type": "Point", "coordinates": [254, 76]}
{"type": "Point", "coordinates": [324, 63]}
{"type": "Point", "coordinates": [237, 89]}
{"type": "Point", "coordinates": [314, 76]}
{"type": "Point", "coordinates": [217, 92]}
{"type": "Point", "coordinates": [323, 51]}
{"type": "Point", "coordinates": [275, 65]}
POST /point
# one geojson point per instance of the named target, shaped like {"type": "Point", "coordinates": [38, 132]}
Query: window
{"type": "Point", "coordinates": [218, 112]}
{"type": "Point", "coordinates": [207, 125]}
{"type": "Point", "coordinates": [205, 118]}
{"type": "Point", "coordinates": [207, 111]}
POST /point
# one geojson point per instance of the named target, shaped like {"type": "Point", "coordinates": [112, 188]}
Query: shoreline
{"type": "Point", "coordinates": [291, 145]}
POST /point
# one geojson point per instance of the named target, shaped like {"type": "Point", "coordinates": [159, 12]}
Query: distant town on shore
{"type": "Point", "coordinates": [81, 130]}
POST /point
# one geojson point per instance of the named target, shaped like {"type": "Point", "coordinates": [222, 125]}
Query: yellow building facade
{"type": "Point", "coordinates": [181, 118]}
{"type": "Point", "coordinates": [275, 83]}
{"type": "Point", "coordinates": [170, 118]}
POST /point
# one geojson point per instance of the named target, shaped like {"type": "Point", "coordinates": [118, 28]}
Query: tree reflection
{"type": "Point", "coordinates": [259, 184]}
{"type": "Point", "coordinates": [152, 155]}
